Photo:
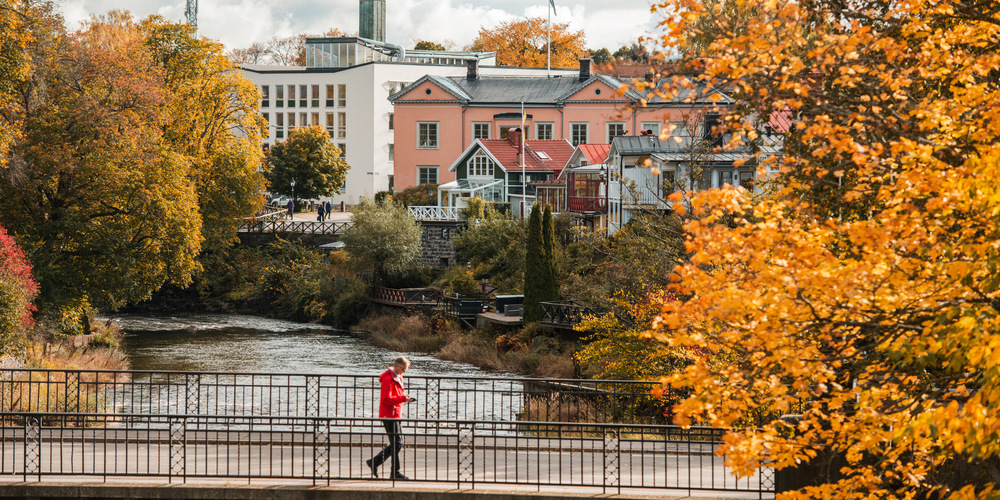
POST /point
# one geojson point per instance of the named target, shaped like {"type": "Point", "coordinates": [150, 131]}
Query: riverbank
{"type": "Point", "coordinates": [531, 350]}
{"type": "Point", "coordinates": [289, 281]}
{"type": "Point", "coordinates": [45, 348]}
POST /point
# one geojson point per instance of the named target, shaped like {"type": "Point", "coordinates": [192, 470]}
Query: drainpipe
{"type": "Point", "coordinates": [562, 121]}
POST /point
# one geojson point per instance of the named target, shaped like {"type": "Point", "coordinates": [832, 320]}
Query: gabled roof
{"type": "Point", "coordinates": [513, 89]}
{"type": "Point", "coordinates": [552, 90]}
{"type": "Point", "coordinates": [539, 156]}
{"type": "Point", "coordinates": [595, 153]}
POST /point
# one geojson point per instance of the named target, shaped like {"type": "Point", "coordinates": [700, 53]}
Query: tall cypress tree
{"type": "Point", "coordinates": [551, 285]}
{"type": "Point", "coordinates": [534, 268]}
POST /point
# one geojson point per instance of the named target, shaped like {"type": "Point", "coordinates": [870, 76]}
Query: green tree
{"type": "Point", "coordinates": [551, 268]}
{"type": "Point", "coordinates": [632, 54]}
{"type": "Point", "coordinates": [494, 246]}
{"type": "Point", "coordinates": [421, 195]}
{"type": "Point", "coordinates": [308, 158]}
{"type": "Point", "coordinates": [383, 237]}
{"type": "Point", "coordinates": [601, 56]}
{"type": "Point", "coordinates": [428, 45]}
{"type": "Point", "coordinates": [534, 267]}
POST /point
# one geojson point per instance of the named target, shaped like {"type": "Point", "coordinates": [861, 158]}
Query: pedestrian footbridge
{"type": "Point", "coordinates": [310, 432]}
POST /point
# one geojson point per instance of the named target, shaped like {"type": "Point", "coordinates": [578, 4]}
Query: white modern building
{"type": "Point", "coordinates": [345, 86]}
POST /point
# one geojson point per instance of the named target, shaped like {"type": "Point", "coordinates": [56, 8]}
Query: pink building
{"type": "Point", "coordinates": [437, 118]}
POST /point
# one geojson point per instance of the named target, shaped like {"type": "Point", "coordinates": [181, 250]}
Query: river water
{"type": "Point", "coordinates": [249, 365]}
{"type": "Point", "coordinates": [235, 343]}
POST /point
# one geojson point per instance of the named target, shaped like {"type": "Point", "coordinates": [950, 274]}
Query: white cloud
{"type": "Point", "coordinates": [237, 23]}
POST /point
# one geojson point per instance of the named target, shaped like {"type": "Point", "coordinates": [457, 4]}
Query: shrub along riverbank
{"type": "Point", "coordinates": [286, 280]}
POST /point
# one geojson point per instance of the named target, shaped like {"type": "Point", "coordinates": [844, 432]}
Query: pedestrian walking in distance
{"type": "Point", "coordinates": [321, 211]}
{"type": "Point", "coordinates": [291, 208]}
{"type": "Point", "coordinates": [390, 409]}
{"type": "Point", "coordinates": [329, 209]}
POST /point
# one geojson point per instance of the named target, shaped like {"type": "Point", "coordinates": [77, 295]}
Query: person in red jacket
{"type": "Point", "coordinates": [390, 409]}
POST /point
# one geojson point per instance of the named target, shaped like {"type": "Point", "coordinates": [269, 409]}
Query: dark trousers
{"type": "Point", "coordinates": [395, 432]}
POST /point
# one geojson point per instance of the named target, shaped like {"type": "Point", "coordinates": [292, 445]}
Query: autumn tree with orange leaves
{"type": "Point", "coordinates": [135, 147]}
{"type": "Point", "coordinates": [522, 42]}
{"type": "Point", "coordinates": [864, 295]}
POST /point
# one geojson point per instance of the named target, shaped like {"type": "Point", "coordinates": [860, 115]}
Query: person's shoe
{"type": "Point", "coordinates": [372, 466]}
{"type": "Point", "coordinates": [398, 476]}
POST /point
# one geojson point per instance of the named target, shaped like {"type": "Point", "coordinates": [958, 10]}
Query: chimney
{"type": "Point", "coordinates": [585, 68]}
{"type": "Point", "coordinates": [372, 20]}
{"type": "Point", "coordinates": [473, 65]}
{"type": "Point", "coordinates": [514, 136]}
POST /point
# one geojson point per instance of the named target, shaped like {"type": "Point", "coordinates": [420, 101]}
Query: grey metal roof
{"type": "Point", "coordinates": [529, 90]}
{"type": "Point", "coordinates": [677, 150]}
{"type": "Point", "coordinates": [546, 90]}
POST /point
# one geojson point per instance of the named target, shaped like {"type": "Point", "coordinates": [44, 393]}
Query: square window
{"type": "Point", "coordinates": [480, 130]}
{"type": "Point", "coordinates": [427, 174]}
{"type": "Point", "coordinates": [543, 131]}
{"type": "Point", "coordinates": [726, 177]}
{"type": "Point", "coordinates": [615, 129]}
{"type": "Point", "coordinates": [427, 135]}
{"type": "Point", "coordinates": [653, 127]}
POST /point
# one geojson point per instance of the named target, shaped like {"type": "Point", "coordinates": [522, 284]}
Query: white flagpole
{"type": "Point", "coordinates": [548, 46]}
{"type": "Point", "coordinates": [524, 189]}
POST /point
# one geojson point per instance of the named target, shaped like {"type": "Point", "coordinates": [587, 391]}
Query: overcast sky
{"type": "Point", "coordinates": [237, 23]}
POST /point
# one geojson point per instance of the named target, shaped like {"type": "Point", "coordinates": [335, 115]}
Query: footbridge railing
{"type": "Point", "coordinates": [276, 225]}
{"type": "Point", "coordinates": [432, 213]}
{"type": "Point", "coordinates": [606, 436]}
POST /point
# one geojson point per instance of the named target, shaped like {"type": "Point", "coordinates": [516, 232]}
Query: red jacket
{"type": "Point", "coordinates": [392, 399]}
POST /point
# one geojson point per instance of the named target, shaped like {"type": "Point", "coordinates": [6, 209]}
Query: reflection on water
{"type": "Point", "coordinates": [233, 343]}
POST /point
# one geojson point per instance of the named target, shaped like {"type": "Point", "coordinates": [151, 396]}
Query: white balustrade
{"type": "Point", "coordinates": [434, 213]}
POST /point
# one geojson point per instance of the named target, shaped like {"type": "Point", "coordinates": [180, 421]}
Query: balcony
{"type": "Point", "coordinates": [587, 204]}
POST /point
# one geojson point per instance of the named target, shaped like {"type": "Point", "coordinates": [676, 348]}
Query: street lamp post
{"type": "Point", "coordinates": [293, 197]}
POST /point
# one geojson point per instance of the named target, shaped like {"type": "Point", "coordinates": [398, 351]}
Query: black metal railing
{"type": "Point", "coordinates": [179, 447]}
{"type": "Point", "coordinates": [293, 226]}
{"type": "Point", "coordinates": [565, 314]}
{"type": "Point", "coordinates": [316, 395]}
